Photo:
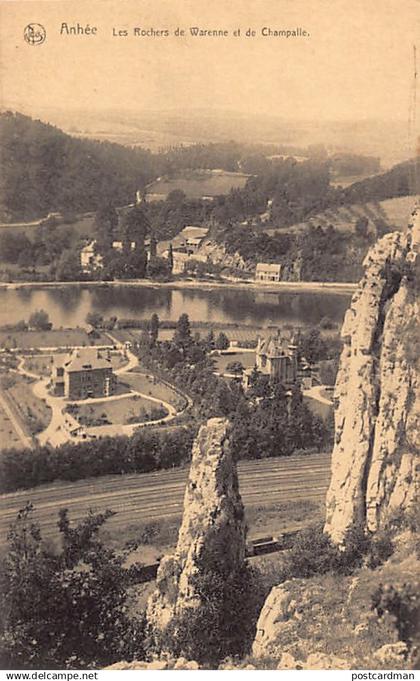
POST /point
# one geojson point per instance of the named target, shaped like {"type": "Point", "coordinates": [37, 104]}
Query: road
{"type": "Point", "coordinates": [149, 496]}
{"type": "Point", "coordinates": [316, 392]}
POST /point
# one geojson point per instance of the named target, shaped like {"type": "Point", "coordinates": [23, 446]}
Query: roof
{"type": "Point", "coordinates": [191, 232]}
{"type": "Point", "coordinates": [268, 267]}
{"type": "Point", "coordinates": [89, 248]}
{"type": "Point", "coordinates": [85, 359]}
{"type": "Point", "coordinates": [178, 255]}
{"type": "Point", "coordinates": [273, 346]}
{"type": "Point", "coordinates": [194, 240]}
{"type": "Point", "coordinates": [59, 359]}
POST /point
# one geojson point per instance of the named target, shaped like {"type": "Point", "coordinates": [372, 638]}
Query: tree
{"type": "Point", "coordinates": [12, 244]}
{"type": "Point", "coordinates": [153, 246]}
{"type": "Point", "coordinates": [361, 227]}
{"type": "Point", "coordinates": [222, 341]}
{"type": "Point", "coordinates": [136, 226]}
{"type": "Point", "coordinates": [223, 623]}
{"type": "Point", "coordinates": [40, 320]}
{"type": "Point", "coordinates": [106, 223]}
{"type": "Point", "coordinates": [94, 319]}
{"type": "Point", "coordinates": [182, 336]}
{"type": "Point", "coordinates": [312, 346]}
{"type": "Point", "coordinates": [209, 341]}
{"type": "Point", "coordinates": [171, 257]}
{"type": "Point", "coordinates": [328, 371]}
{"type": "Point", "coordinates": [235, 368]}
{"type": "Point", "coordinates": [68, 266]}
{"type": "Point", "coordinates": [154, 328]}
{"type": "Point", "coordinates": [158, 268]}
{"type": "Point", "coordinates": [65, 609]}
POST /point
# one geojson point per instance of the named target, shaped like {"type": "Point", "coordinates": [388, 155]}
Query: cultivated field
{"type": "Point", "coordinates": [33, 413]}
{"type": "Point", "coordinates": [393, 212]}
{"type": "Point", "coordinates": [61, 338]}
{"type": "Point", "coordinates": [8, 435]}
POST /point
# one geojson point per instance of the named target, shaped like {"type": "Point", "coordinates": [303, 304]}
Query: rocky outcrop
{"type": "Point", "coordinates": [375, 459]}
{"type": "Point", "coordinates": [213, 529]}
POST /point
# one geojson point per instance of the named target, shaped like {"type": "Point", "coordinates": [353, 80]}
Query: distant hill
{"type": "Point", "coordinates": [44, 170]}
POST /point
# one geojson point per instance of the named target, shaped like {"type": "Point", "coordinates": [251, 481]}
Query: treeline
{"type": "Point", "coordinates": [144, 451]}
{"type": "Point", "coordinates": [46, 170]}
{"type": "Point", "coordinates": [297, 191]}
{"type": "Point", "coordinates": [266, 420]}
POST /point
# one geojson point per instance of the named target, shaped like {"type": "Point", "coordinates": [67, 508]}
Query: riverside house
{"type": "Point", "coordinates": [85, 372]}
{"type": "Point", "coordinates": [267, 271]}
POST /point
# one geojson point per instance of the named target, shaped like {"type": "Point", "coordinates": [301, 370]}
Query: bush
{"type": "Point", "coordinates": [313, 553]}
{"type": "Point", "coordinates": [224, 624]}
{"type": "Point", "coordinates": [404, 605]}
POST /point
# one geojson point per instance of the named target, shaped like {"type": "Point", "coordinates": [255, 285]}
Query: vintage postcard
{"type": "Point", "coordinates": [209, 336]}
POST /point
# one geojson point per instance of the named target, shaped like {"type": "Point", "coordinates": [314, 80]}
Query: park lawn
{"type": "Point", "coordinates": [34, 413]}
{"type": "Point", "coordinates": [133, 409]}
{"type": "Point", "coordinates": [117, 360]}
{"type": "Point", "coordinates": [39, 364]}
{"type": "Point", "coordinates": [247, 359]}
{"type": "Point", "coordinates": [61, 338]}
{"type": "Point", "coordinates": [151, 385]}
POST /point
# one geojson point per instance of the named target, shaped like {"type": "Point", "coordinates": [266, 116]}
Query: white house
{"type": "Point", "coordinates": [268, 272]}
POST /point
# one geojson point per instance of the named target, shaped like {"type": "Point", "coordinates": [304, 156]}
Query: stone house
{"type": "Point", "coordinates": [86, 372]}
{"type": "Point", "coordinates": [276, 357]}
{"type": "Point", "coordinates": [266, 271]}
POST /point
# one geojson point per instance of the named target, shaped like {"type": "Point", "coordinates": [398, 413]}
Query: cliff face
{"type": "Point", "coordinates": [213, 528]}
{"type": "Point", "coordinates": [375, 460]}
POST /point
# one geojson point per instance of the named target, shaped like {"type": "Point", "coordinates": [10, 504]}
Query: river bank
{"type": "Point", "coordinates": [247, 285]}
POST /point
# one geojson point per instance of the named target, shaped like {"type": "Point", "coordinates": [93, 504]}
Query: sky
{"type": "Point", "coordinates": [356, 63]}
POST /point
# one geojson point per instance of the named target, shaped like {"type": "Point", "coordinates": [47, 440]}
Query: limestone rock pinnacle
{"type": "Point", "coordinates": [375, 460]}
{"type": "Point", "coordinates": [213, 527]}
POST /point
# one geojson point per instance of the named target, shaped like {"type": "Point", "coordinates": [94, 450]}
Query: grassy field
{"type": "Point", "coordinates": [34, 414]}
{"type": "Point", "coordinates": [62, 338]}
{"type": "Point", "coordinates": [199, 183]}
{"type": "Point", "coordinates": [247, 359]}
{"type": "Point", "coordinates": [150, 385]}
{"type": "Point", "coordinates": [126, 410]}
{"type": "Point", "coordinates": [39, 364]}
{"type": "Point", "coordinates": [83, 226]}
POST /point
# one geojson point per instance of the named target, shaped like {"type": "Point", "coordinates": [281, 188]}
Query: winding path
{"type": "Point", "coordinates": [56, 433]}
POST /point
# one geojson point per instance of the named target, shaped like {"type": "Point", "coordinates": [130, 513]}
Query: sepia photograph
{"type": "Point", "coordinates": [209, 337]}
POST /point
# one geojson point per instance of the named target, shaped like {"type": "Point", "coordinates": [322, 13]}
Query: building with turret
{"type": "Point", "coordinates": [276, 357]}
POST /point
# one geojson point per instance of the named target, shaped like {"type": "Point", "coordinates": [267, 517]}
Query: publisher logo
{"type": "Point", "coordinates": [34, 34]}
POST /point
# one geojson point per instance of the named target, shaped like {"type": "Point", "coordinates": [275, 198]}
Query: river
{"type": "Point", "coordinates": [68, 306]}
